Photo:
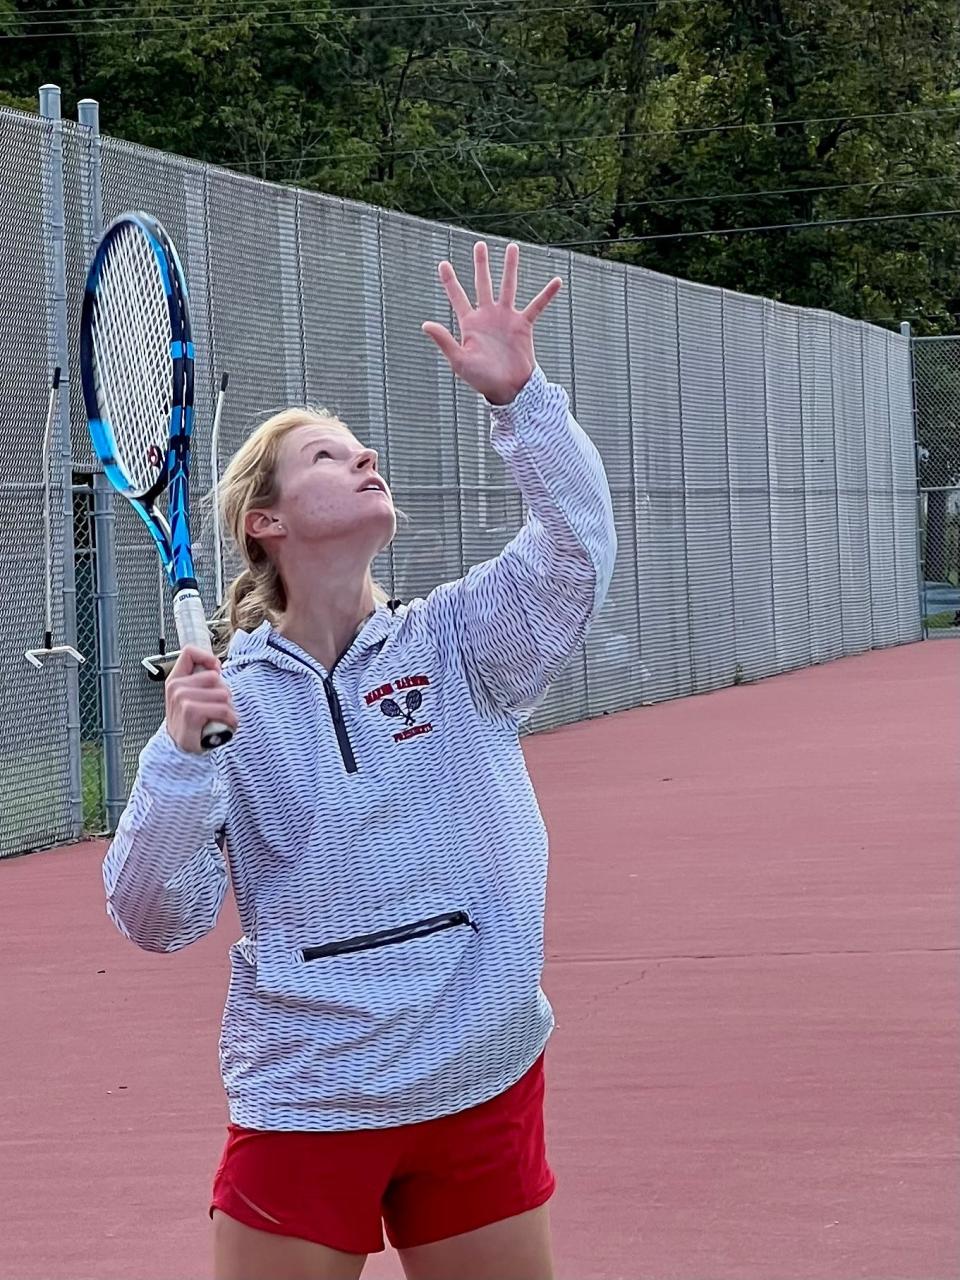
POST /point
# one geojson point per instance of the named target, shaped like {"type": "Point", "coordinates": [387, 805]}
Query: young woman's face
{"type": "Point", "coordinates": [330, 489]}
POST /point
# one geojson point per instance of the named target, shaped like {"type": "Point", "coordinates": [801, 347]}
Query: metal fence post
{"type": "Point", "coordinates": [583, 658]}
{"type": "Point", "coordinates": [634, 469]}
{"type": "Point", "coordinates": [105, 565]}
{"type": "Point", "coordinates": [867, 487]}
{"type": "Point", "coordinates": [769, 495]}
{"type": "Point", "coordinates": [836, 482]}
{"type": "Point", "coordinates": [88, 114]}
{"type": "Point", "coordinates": [804, 493]}
{"type": "Point", "coordinates": [907, 332]}
{"type": "Point", "coordinates": [738, 665]}
{"type": "Point", "coordinates": [54, 235]}
{"type": "Point", "coordinates": [105, 559]}
{"type": "Point", "coordinates": [385, 382]}
{"type": "Point", "coordinates": [691, 655]}
{"type": "Point", "coordinates": [455, 401]}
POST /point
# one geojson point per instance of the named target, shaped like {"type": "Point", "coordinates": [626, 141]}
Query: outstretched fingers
{"type": "Point", "coordinates": [508, 280]}
{"type": "Point", "coordinates": [444, 339]}
{"type": "Point", "coordinates": [456, 295]}
{"type": "Point", "coordinates": [533, 310]}
{"type": "Point", "coordinates": [481, 274]}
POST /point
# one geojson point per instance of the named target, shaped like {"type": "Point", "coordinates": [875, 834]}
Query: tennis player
{"type": "Point", "coordinates": [383, 1038]}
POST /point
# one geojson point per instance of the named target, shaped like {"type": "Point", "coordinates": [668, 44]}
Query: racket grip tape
{"type": "Point", "coordinates": [191, 622]}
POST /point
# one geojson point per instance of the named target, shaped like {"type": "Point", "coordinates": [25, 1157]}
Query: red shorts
{"type": "Point", "coordinates": [425, 1182]}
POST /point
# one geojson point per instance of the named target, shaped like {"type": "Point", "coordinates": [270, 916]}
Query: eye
{"type": "Point", "coordinates": [322, 453]}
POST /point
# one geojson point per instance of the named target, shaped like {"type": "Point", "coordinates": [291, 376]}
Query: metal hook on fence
{"type": "Point", "coordinates": [37, 657]}
{"type": "Point", "coordinates": [215, 484]}
{"type": "Point", "coordinates": [159, 664]}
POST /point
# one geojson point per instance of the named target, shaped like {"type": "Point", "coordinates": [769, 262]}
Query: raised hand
{"type": "Point", "coordinates": [495, 353]}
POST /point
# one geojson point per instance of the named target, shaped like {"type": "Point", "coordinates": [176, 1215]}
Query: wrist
{"type": "Point", "coordinates": [529, 394]}
{"type": "Point", "coordinates": [500, 397]}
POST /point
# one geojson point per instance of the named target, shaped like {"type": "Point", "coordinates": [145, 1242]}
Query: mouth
{"type": "Point", "coordinates": [373, 483]}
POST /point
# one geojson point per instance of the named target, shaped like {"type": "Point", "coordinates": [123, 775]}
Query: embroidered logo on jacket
{"type": "Point", "coordinates": [402, 701]}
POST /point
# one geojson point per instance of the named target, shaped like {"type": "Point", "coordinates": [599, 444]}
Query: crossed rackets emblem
{"type": "Point", "coordinates": [412, 702]}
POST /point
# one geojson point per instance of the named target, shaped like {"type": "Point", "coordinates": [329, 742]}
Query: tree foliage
{"type": "Point", "coordinates": [624, 129]}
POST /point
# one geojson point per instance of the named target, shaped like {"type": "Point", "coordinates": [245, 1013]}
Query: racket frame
{"type": "Point", "coordinates": [171, 537]}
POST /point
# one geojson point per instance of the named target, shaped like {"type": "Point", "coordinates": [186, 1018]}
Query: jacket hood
{"type": "Point", "coordinates": [266, 644]}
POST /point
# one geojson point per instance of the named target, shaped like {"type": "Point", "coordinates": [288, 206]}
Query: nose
{"type": "Point", "coordinates": [367, 460]}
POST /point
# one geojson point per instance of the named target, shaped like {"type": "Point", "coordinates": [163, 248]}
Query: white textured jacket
{"type": "Point", "coordinates": [384, 842]}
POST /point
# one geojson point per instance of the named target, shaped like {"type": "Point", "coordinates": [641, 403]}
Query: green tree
{"type": "Point", "coordinates": [594, 124]}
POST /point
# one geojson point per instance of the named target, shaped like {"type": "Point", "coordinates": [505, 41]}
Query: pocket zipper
{"type": "Point", "coordinates": [389, 937]}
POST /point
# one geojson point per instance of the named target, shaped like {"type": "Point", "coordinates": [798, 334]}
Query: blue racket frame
{"type": "Point", "coordinates": [172, 537]}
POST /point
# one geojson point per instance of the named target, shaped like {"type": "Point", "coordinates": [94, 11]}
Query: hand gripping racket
{"type": "Point", "coordinates": [136, 366]}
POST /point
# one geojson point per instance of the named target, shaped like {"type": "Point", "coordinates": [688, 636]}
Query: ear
{"type": "Point", "coordinates": [262, 524]}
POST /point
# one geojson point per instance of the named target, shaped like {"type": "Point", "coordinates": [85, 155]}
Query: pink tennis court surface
{"type": "Point", "coordinates": [753, 930]}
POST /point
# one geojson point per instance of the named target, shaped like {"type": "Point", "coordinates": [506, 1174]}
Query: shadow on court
{"type": "Point", "coordinates": [752, 952]}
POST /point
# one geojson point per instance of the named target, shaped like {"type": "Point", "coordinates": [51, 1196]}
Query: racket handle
{"type": "Point", "coordinates": [192, 629]}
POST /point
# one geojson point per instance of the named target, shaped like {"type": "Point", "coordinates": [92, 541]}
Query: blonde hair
{"type": "Point", "coordinates": [250, 481]}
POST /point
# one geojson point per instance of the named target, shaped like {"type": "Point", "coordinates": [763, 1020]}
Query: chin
{"type": "Point", "coordinates": [381, 529]}
{"type": "Point", "coordinates": [390, 534]}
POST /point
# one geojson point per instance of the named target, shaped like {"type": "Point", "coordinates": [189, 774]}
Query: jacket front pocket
{"type": "Point", "coordinates": [391, 937]}
{"type": "Point", "coordinates": [358, 984]}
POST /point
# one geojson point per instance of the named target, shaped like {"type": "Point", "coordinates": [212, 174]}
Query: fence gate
{"type": "Point", "coordinates": [936, 363]}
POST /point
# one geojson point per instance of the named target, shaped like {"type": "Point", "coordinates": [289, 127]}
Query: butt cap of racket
{"type": "Point", "coordinates": [215, 735]}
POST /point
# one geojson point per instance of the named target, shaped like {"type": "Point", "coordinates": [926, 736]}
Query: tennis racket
{"type": "Point", "coordinates": [413, 700]}
{"type": "Point", "coordinates": [136, 366]}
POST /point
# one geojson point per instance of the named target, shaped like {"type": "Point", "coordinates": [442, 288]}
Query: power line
{"type": "Point", "coordinates": [98, 13]}
{"type": "Point", "coordinates": [485, 215]}
{"type": "Point", "coordinates": [85, 23]}
{"type": "Point", "coordinates": [913, 315]}
{"type": "Point", "coordinates": [258, 6]}
{"type": "Point", "coordinates": [91, 26]}
{"type": "Point", "coordinates": [776, 226]}
{"type": "Point", "coordinates": [473, 216]}
{"type": "Point", "coordinates": [465, 146]}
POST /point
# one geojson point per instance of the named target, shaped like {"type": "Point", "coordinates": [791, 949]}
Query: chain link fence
{"type": "Point", "coordinates": [761, 456]}
{"type": "Point", "coordinates": [39, 803]}
{"type": "Point", "coordinates": [937, 371]}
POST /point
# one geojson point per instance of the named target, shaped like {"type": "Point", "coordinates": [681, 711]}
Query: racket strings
{"type": "Point", "coordinates": [133, 366]}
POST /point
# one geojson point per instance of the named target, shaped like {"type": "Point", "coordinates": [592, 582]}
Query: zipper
{"type": "Point", "coordinates": [333, 702]}
{"type": "Point", "coordinates": [339, 724]}
{"type": "Point", "coordinates": [389, 937]}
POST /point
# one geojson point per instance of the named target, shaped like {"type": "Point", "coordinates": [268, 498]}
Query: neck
{"type": "Point", "coordinates": [324, 622]}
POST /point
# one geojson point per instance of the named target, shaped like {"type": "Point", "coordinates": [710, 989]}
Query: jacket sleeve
{"type": "Point", "coordinates": [520, 617]}
{"type": "Point", "coordinates": [164, 872]}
